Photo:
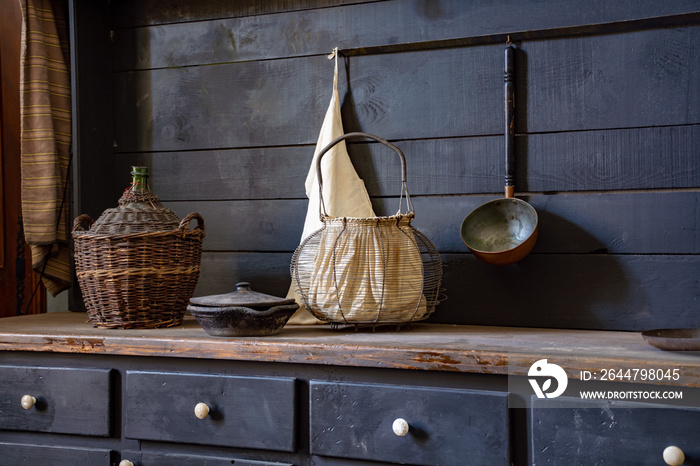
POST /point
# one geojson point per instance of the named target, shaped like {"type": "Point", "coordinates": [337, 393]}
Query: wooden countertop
{"type": "Point", "coordinates": [479, 349]}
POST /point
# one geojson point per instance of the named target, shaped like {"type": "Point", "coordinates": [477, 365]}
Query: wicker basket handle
{"type": "Point", "coordinates": [319, 176]}
{"type": "Point", "coordinates": [185, 223]}
{"type": "Point", "coordinates": [79, 220]}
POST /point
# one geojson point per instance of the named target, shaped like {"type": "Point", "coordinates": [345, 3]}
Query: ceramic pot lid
{"type": "Point", "coordinates": [242, 297]}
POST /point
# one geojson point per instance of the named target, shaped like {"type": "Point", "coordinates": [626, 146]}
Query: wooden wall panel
{"type": "Point", "coordinates": [278, 223]}
{"type": "Point", "coordinates": [268, 103]}
{"type": "Point", "coordinates": [591, 223]}
{"type": "Point", "coordinates": [92, 87]}
{"type": "Point", "coordinates": [282, 102]}
{"type": "Point", "coordinates": [634, 158]}
{"type": "Point", "coordinates": [620, 223]}
{"type": "Point", "coordinates": [130, 13]}
{"type": "Point", "coordinates": [224, 102]}
{"type": "Point", "coordinates": [591, 291]}
{"type": "Point", "coordinates": [266, 272]}
{"type": "Point", "coordinates": [249, 34]}
{"type": "Point", "coordinates": [576, 84]}
{"type": "Point", "coordinates": [434, 166]}
{"type": "Point", "coordinates": [234, 174]}
{"type": "Point", "coordinates": [638, 158]}
{"type": "Point", "coordinates": [610, 81]}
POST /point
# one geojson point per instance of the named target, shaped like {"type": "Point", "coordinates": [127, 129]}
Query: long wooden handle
{"type": "Point", "coordinates": [509, 130]}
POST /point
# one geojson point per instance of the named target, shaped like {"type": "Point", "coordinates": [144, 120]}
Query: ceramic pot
{"type": "Point", "coordinates": [243, 312]}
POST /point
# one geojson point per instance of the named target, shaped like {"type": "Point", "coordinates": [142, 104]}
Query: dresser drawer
{"type": "Point", "coordinates": [617, 433]}
{"type": "Point", "coordinates": [143, 458]}
{"type": "Point", "coordinates": [12, 454]}
{"type": "Point", "coordinates": [446, 426]}
{"type": "Point", "coordinates": [66, 401]}
{"type": "Point", "coordinates": [246, 412]}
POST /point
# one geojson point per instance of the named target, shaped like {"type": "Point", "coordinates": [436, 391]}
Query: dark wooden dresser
{"type": "Point", "coordinates": [428, 395]}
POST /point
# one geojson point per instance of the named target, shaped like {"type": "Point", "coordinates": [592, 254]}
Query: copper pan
{"type": "Point", "coordinates": [503, 231]}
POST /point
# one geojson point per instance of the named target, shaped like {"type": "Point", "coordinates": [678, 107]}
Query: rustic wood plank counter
{"type": "Point", "coordinates": [477, 349]}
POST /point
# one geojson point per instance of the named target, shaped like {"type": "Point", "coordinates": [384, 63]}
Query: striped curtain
{"type": "Point", "coordinates": [46, 139]}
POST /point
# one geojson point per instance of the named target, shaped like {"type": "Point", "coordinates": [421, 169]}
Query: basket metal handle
{"type": "Point", "coordinates": [404, 188]}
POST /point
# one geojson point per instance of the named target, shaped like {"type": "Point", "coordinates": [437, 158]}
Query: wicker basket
{"type": "Point", "coordinates": [138, 212]}
{"type": "Point", "coordinates": [368, 271]}
{"type": "Point", "coordinates": [137, 265]}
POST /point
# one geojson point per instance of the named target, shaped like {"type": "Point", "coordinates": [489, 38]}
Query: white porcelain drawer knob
{"type": "Point", "coordinates": [28, 401]}
{"type": "Point", "coordinates": [201, 410]}
{"type": "Point", "coordinates": [400, 427]}
{"type": "Point", "coordinates": [126, 463]}
{"type": "Point", "coordinates": [674, 456]}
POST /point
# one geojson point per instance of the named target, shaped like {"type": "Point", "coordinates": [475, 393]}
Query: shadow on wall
{"type": "Point", "coordinates": [560, 290]}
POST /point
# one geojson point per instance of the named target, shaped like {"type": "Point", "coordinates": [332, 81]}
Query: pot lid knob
{"type": "Point", "coordinates": [242, 286]}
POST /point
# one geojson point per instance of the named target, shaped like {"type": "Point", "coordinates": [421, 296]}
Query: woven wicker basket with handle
{"type": "Point", "coordinates": [138, 264]}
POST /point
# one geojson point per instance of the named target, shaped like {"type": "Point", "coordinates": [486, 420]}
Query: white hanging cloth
{"type": "Point", "coordinates": [344, 192]}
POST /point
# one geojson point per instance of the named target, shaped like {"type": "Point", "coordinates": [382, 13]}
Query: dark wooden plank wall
{"type": "Point", "coordinates": [224, 101]}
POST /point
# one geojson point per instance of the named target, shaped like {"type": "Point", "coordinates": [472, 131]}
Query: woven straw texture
{"type": "Point", "coordinates": [141, 279]}
{"type": "Point", "coordinates": [137, 213]}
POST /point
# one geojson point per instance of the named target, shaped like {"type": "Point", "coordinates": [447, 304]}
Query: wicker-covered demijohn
{"type": "Point", "coordinates": [137, 265]}
{"type": "Point", "coordinates": [368, 271]}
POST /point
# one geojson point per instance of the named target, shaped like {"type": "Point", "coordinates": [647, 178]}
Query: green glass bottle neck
{"type": "Point", "coordinates": [139, 180]}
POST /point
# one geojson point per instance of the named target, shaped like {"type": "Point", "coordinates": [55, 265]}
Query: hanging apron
{"type": "Point", "coordinates": [344, 192]}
